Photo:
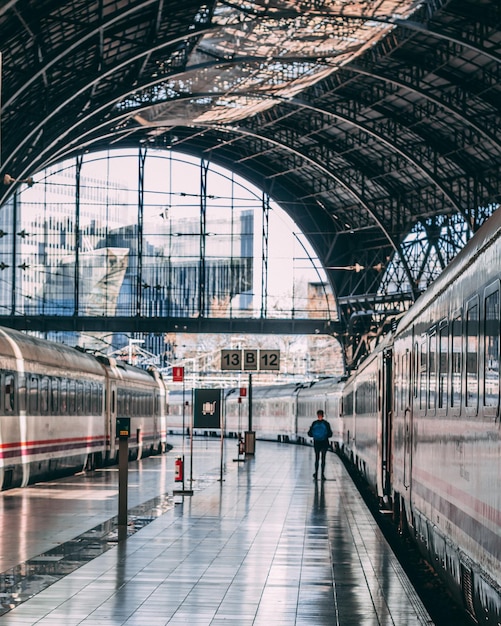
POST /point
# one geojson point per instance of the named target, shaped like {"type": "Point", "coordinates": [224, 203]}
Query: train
{"type": "Point", "coordinates": [279, 412]}
{"type": "Point", "coordinates": [59, 407]}
{"type": "Point", "coordinates": [421, 419]}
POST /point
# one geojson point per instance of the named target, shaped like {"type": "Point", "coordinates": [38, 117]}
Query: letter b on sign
{"type": "Point", "coordinates": [250, 359]}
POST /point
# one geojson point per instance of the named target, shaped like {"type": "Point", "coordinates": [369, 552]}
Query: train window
{"type": "Point", "coordinates": [404, 381]}
{"type": "Point", "coordinates": [79, 398]}
{"type": "Point", "coordinates": [64, 396]}
{"type": "Point", "coordinates": [472, 318]}
{"type": "Point", "coordinates": [33, 395]}
{"type": "Point", "coordinates": [54, 396]}
{"type": "Point", "coordinates": [44, 395]}
{"type": "Point", "coordinates": [92, 398]}
{"type": "Point", "coordinates": [87, 398]}
{"type": "Point", "coordinates": [10, 393]}
{"type": "Point", "coordinates": [100, 396]}
{"type": "Point", "coordinates": [443, 364]}
{"type": "Point", "coordinates": [415, 371]}
{"type": "Point", "coordinates": [72, 397]}
{"type": "Point", "coordinates": [348, 404]}
{"type": "Point", "coordinates": [457, 351]}
{"type": "Point", "coordinates": [423, 362]}
{"type": "Point", "coordinates": [491, 349]}
{"type": "Point", "coordinates": [432, 369]}
{"type": "Point", "coordinates": [96, 399]}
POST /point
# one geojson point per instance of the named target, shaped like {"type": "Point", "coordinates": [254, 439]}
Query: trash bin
{"type": "Point", "coordinates": [250, 442]}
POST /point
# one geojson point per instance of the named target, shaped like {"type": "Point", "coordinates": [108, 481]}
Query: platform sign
{"type": "Point", "coordinates": [207, 408]}
{"type": "Point", "coordinates": [269, 360]}
{"type": "Point", "coordinates": [250, 360]}
{"type": "Point", "coordinates": [231, 360]}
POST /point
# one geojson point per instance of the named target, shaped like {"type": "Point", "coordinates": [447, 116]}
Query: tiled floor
{"type": "Point", "coordinates": [266, 546]}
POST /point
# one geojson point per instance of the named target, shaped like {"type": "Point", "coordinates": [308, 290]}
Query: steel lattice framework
{"type": "Point", "coordinates": [375, 127]}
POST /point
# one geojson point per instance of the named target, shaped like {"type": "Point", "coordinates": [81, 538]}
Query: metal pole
{"type": "Point", "coordinates": [191, 443]}
{"type": "Point", "coordinates": [250, 436]}
{"type": "Point", "coordinates": [123, 458]}
{"type": "Point", "coordinates": [183, 435]}
{"type": "Point", "coordinates": [250, 402]}
{"type": "Point", "coordinates": [221, 424]}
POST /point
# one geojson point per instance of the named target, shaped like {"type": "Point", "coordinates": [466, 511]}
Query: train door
{"type": "Point", "coordinates": [385, 450]}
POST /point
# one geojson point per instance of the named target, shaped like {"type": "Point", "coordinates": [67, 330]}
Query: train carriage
{"type": "Point", "coordinates": [140, 395]}
{"type": "Point", "coordinates": [436, 444]}
{"type": "Point", "coordinates": [52, 408]}
{"type": "Point", "coordinates": [282, 412]}
{"type": "Point", "coordinates": [58, 407]}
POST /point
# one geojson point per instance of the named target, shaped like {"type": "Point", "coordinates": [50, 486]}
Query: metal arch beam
{"type": "Point", "coordinates": [376, 135]}
{"type": "Point", "coordinates": [34, 132]}
{"type": "Point", "coordinates": [185, 70]}
{"type": "Point", "coordinates": [285, 147]}
{"type": "Point", "coordinates": [326, 112]}
{"type": "Point", "coordinates": [90, 35]}
{"type": "Point", "coordinates": [403, 154]}
{"type": "Point", "coordinates": [427, 96]}
{"type": "Point", "coordinates": [298, 102]}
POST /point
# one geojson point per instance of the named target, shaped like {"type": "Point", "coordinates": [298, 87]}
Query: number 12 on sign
{"type": "Point", "coordinates": [269, 360]}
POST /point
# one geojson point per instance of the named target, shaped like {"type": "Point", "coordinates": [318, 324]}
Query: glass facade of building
{"type": "Point", "coordinates": [151, 234]}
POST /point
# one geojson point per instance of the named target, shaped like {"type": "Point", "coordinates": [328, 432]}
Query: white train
{"type": "Point", "coordinates": [279, 412]}
{"type": "Point", "coordinates": [59, 406]}
{"type": "Point", "coordinates": [422, 424]}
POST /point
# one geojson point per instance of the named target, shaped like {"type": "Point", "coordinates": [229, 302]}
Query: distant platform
{"type": "Point", "coordinates": [266, 546]}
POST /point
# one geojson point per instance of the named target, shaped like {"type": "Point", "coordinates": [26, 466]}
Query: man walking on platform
{"type": "Point", "coordinates": [321, 431]}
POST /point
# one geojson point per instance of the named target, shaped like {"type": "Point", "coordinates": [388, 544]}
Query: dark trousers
{"type": "Point", "coordinates": [320, 453]}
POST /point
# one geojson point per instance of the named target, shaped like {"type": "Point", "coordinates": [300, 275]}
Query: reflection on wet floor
{"type": "Point", "coordinates": [24, 581]}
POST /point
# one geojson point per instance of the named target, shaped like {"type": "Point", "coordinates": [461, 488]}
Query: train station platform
{"type": "Point", "coordinates": [266, 546]}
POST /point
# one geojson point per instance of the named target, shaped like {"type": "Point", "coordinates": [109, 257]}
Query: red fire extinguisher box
{"type": "Point", "coordinates": [178, 470]}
